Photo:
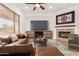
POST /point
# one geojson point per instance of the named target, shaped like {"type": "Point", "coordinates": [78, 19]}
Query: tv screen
{"type": "Point", "coordinates": [39, 25]}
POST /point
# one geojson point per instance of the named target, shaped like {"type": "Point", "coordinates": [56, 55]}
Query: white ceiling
{"type": "Point", "coordinates": [56, 7]}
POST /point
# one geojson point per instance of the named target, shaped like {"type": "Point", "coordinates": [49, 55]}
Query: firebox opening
{"type": "Point", "coordinates": [63, 34]}
{"type": "Point", "coordinates": [38, 34]}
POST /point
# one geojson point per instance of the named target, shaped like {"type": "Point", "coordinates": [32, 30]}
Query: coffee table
{"type": "Point", "coordinates": [40, 41]}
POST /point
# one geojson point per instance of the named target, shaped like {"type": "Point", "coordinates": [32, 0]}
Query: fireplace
{"type": "Point", "coordinates": [38, 34]}
{"type": "Point", "coordinates": [63, 34]}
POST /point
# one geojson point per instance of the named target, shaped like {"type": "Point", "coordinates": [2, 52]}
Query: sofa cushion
{"type": "Point", "coordinates": [24, 41]}
{"type": "Point", "coordinates": [6, 39]}
{"type": "Point", "coordinates": [13, 37]}
{"type": "Point", "coordinates": [20, 41]}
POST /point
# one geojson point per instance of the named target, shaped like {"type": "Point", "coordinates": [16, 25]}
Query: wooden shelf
{"type": "Point", "coordinates": [47, 34]}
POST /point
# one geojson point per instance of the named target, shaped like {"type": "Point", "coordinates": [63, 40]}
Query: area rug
{"type": "Point", "coordinates": [48, 51]}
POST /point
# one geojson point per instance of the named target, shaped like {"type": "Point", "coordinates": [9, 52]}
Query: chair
{"type": "Point", "coordinates": [74, 41]}
{"type": "Point", "coordinates": [45, 41]}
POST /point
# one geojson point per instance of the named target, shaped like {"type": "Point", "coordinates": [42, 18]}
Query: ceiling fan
{"type": "Point", "coordinates": [37, 5]}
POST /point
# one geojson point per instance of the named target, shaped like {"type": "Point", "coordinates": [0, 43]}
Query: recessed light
{"type": "Point", "coordinates": [37, 5]}
{"type": "Point", "coordinates": [50, 7]}
{"type": "Point", "coordinates": [26, 7]}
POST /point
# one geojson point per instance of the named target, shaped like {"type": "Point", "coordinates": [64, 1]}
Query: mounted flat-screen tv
{"type": "Point", "coordinates": [39, 25]}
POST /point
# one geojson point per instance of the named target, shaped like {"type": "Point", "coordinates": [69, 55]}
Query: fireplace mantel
{"type": "Point", "coordinates": [66, 26]}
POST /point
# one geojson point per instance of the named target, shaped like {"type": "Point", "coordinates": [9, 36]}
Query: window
{"type": "Point", "coordinates": [9, 21]}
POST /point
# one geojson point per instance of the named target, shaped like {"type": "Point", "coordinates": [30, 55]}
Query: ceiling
{"type": "Point", "coordinates": [55, 7]}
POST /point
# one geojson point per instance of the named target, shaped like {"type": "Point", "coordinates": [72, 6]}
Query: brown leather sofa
{"type": "Point", "coordinates": [16, 47]}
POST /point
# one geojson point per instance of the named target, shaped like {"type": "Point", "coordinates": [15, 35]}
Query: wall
{"type": "Point", "coordinates": [42, 17]}
{"type": "Point", "coordinates": [76, 9]}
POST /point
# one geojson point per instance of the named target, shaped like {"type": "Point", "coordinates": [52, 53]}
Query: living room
{"type": "Point", "coordinates": [57, 23]}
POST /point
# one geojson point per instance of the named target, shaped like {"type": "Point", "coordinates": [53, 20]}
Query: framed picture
{"type": "Point", "coordinates": [66, 18]}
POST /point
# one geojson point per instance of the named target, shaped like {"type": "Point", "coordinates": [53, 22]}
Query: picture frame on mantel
{"type": "Point", "coordinates": [65, 18]}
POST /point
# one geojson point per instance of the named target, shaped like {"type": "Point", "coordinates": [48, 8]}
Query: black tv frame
{"type": "Point", "coordinates": [40, 24]}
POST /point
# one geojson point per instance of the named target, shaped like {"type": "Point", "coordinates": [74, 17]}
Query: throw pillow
{"type": "Point", "coordinates": [21, 41]}
{"type": "Point", "coordinates": [13, 37]}
{"type": "Point", "coordinates": [18, 35]}
{"type": "Point", "coordinates": [24, 41]}
{"type": "Point", "coordinates": [23, 36]}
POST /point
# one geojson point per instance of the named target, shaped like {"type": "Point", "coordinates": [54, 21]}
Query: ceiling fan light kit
{"type": "Point", "coordinates": [37, 5]}
{"type": "Point", "coordinates": [50, 7]}
{"type": "Point", "coordinates": [26, 7]}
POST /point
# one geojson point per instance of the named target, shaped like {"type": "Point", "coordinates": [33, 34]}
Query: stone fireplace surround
{"type": "Point", "coordinates": [63, 39]}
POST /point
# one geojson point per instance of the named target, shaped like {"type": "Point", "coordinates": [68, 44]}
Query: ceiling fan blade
{"type": "Point", "coordinates": [34, 8]}
{"type": "Point", "coordinates": [34, 3]}
{"type": "Point", "coordinates": [42, 7]}
{"type": "Point", "coordinates": [30, 3]}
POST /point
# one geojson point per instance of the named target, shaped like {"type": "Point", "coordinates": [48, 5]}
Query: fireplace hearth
{"type": "Point", "coordinates": [63, 34]}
